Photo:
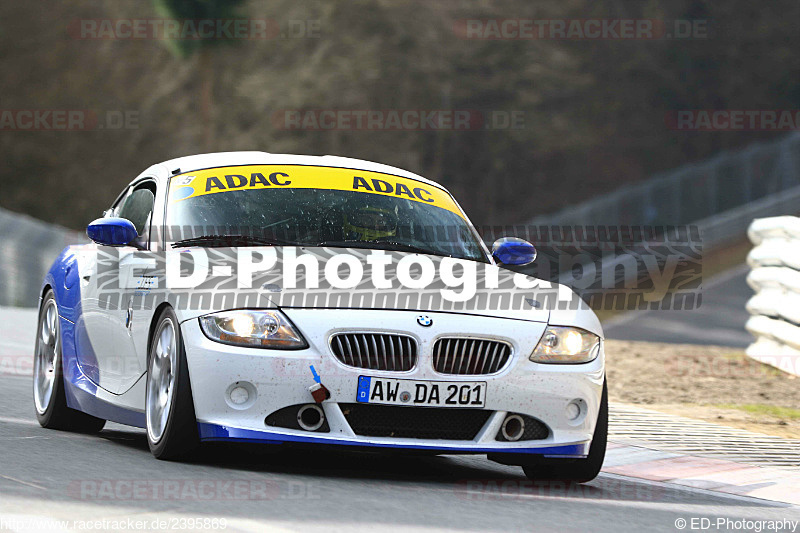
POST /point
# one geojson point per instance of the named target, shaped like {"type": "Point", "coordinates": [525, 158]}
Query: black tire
{"type": "Point", "coordinates": [179, 439]}
{"type": "Point", "coordinates": [56, 414]}
{"type": "Point", "coordinates": [577, 470]}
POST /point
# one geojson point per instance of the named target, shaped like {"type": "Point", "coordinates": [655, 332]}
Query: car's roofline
{"type": "Point", "coordinates": [193, 163]}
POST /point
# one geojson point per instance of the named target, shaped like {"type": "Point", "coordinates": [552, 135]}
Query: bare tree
{"type": "Point", "coordinates": [200, 10]}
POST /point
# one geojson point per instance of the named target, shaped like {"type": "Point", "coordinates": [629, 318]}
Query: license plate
{"type": "Point", "coordinates": [421, 393]}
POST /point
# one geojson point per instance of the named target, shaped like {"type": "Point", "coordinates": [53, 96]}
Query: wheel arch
{"type": "Point", "coordinates": [153, 323]}
{"type": "Point", "coordinates": [46, 287]}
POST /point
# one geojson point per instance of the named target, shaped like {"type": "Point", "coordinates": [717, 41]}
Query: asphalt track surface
{"type": "Point", "coordinates": [719, 320]}
{"type": "Point", "coordinates": [112, 479]}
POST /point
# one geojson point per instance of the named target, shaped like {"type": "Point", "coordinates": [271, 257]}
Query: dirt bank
{"type": "Point", "coordinates": [706, 382]}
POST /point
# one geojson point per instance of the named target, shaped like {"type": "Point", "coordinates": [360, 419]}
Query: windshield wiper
{"type": "Point", "coordinates": [383, 245]}
{"type": "Point", "coordinates": [222, 241]}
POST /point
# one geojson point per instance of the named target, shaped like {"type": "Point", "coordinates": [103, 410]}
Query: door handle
{"type": "Point", "coordinates": [87, 276]}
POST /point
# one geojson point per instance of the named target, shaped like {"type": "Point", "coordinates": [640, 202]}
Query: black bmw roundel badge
{"type": "Point", "coordinates": [424, 321]}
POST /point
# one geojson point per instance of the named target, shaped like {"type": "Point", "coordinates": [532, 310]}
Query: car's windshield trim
{"type": "Point", "coordinates": [483, 256]}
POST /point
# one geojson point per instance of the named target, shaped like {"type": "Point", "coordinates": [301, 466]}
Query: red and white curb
{"type": "Point", "coordinates": [664, 448]}
{"type": "Point", "coordinates": [717, 475]}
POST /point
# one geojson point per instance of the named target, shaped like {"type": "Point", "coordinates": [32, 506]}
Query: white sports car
{"type": "Point", "coordinates": [285, 299]}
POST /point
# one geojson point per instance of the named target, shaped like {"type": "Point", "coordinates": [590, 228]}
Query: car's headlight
{"type": "Point", "coordinates": [566, 346]}
{"type": "Point", "coordinates": [260, 329]}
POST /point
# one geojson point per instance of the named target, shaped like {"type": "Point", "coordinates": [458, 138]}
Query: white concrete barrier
{"type": "Point", "coordinates": [775, 278]}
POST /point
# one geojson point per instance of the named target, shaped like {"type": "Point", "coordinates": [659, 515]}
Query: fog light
{"type": "Point", "coordinates": [239, 395]}
{"type": "Point", "coordinates": [573, 410]}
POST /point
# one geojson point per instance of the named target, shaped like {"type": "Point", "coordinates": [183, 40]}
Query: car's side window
{"type": "Point", "coordinates": [115, 207]}
{"type": "Point", "coordinates": [138, 208]}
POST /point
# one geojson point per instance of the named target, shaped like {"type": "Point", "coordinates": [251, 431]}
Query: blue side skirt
{"type": "Point", "coordinates": [81, 400]}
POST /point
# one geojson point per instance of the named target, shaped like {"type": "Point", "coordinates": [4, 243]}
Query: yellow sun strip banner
{"type": "Point", "coordinates": [252, 177]}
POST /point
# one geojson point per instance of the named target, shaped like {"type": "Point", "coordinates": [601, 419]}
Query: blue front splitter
{"type": "Point", "coordinates": [217, 433]}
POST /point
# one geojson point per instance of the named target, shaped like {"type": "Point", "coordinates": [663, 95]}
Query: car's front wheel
{"type": "Point", "coordinates": [577, 470]}
{"type": "Point", "coordinates": [169, 407]}
{"type": "Point", "coordinates": [49, 398]}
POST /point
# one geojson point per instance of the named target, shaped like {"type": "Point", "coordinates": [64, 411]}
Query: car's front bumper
{"type": "Point", "coordinates": [281, 378]}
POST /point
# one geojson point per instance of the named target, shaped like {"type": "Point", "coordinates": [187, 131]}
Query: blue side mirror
{"type": "Point", "coordinates": [513, 251]}
{"type": "Point", "coordinates": [112, 231]}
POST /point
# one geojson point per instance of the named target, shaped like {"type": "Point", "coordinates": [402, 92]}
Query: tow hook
{"type": "Point", "coordinates": [318, 391]}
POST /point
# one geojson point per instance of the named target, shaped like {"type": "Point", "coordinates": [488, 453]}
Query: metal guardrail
{"type": "Point", "coordinates": [697, 193]}
{"type": "Point", "coordinates": [732, 225]}
{"type": "Point", "coordinates": [720, 197]}
{"type": "Point", "coordinates": [27, 249]}
{"type": "Point", "coordinates": [775, 277]}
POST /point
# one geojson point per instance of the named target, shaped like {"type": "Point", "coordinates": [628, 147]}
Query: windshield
{"type": "Point", "coordinates": [318, 206]}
